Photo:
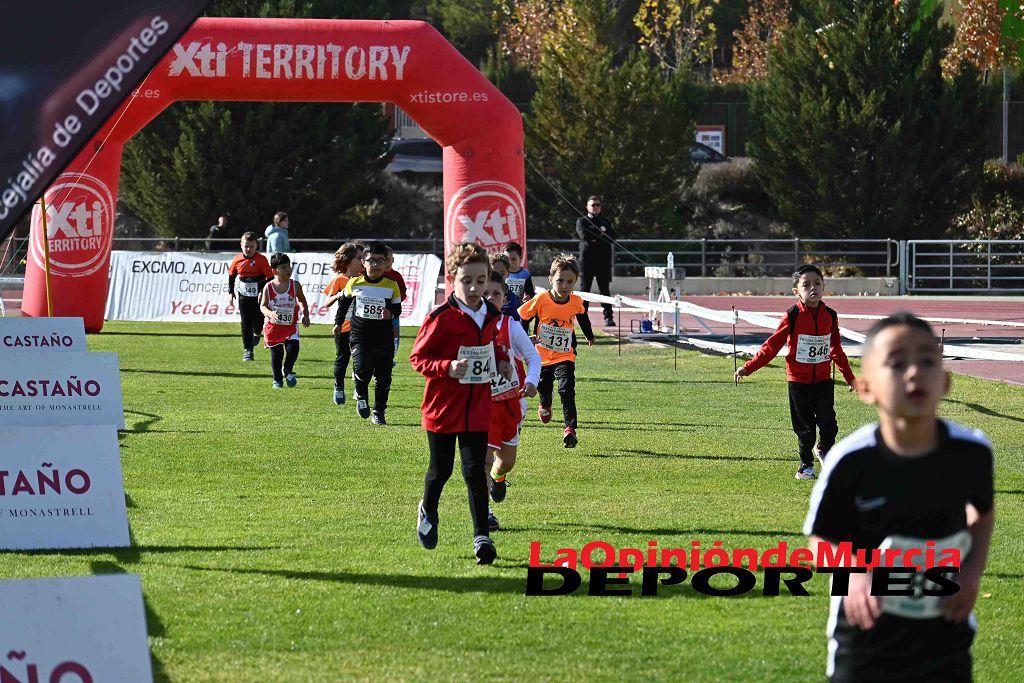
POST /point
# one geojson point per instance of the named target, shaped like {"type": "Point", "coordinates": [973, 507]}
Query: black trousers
{"type": "Point", "coordinates": [603, 278]}
{"type": "Point", "coordinates": [811, 407]}
{"type": "Point", "coordinates": [565, 373]}
{"type": "Point", "coordinates": [372, 358]}
{"type": "Point", "coordinates": [342, 354]}
{"type": "Point", "coordinates": [282, 358]}
{"type": "Point", "coordinates": [954, 667]}
{"type": "Point", "coordinates": [473, 451]}
{"type": "Point", "coordinates": [252, 320]}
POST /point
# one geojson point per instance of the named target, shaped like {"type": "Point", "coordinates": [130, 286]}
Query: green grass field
{"type": "Point", "coordinates": [275, 532]}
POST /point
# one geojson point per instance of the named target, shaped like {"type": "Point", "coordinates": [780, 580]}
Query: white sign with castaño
{"type": "Point", "coordinates": [61, 487]}
{"type": "Point", "coordinates": [42, 334]}
{"type": "Point", "coordinates": [74, 630]}
{"type": "Point", "coordinates": [42, 389]}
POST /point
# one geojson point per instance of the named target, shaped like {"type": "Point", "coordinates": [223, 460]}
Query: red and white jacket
{"type": "Point", "coordinates": [513, 340]}
{"type": "Point", "coordinates": [808, 323]}
{"type": "Point", "coordinates": [449, 406]}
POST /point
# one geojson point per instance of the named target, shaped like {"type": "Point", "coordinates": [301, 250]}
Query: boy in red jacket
{"type": "Point", "coordinates": [811, 329]}
{"type": "Point", "coordinates": [455, 352]}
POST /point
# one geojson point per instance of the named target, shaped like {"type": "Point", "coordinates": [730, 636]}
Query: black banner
{"type": "Point", "coordinates": [65, 67]}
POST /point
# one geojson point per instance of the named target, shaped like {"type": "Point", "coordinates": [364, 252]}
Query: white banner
{"type": "Point", "coordinates": [74, 630]}
{"type": "Point", "coordinates": [193, 287]}
{"type": "Point", "coordinates": [61, 487]}
{"type": "Point", "coordinates": [42, 334]}
{"type": "Point", "coordinates": [43, 389]}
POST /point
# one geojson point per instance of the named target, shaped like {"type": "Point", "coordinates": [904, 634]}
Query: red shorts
{"type": "Point", "coordinates": [506, 416]}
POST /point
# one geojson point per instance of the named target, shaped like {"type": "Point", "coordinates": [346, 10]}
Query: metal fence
{"type": "Point", "coordinates": [967, 266]}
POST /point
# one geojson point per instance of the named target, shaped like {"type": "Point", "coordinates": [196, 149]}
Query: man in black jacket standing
{"type": "Point", "coordinates": [596, 239]}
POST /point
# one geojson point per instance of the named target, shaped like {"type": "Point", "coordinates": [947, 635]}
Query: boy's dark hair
{"type": "Point", "coordinates": [250, 235]}
{"type": "Point", "coordinates": [897, 319]}
{"type": "Point", "coordinates": [565, 262]}
{"type": "Point", "coordinates": [495, 277]}
{"type": "Point", "coordinates": [376, 247]}
{"type": "Point", "coordinates": [279, 216]}
{"type": "Point", "coordinates": [514, 248]}
{"type": "Point", "coordinates": [499, 257]}
{"type": "Point", "coordinates": [803, 270]}
{"type": "Point", "coordinates": [279, 259]}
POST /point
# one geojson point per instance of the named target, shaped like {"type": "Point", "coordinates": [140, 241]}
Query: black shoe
{"type": "Point", "coordinates": [426, 529]}
{"type": "Point", "coordinates": [484, 549]}
{"type": "Point", "coordinates": [378, 418]}
{"type": "Point", "coordinates": [609, 322]}
{"type": "Point", "coordinates": [362, 407]}
{"type": "Point", "coordinates": [498, 489]}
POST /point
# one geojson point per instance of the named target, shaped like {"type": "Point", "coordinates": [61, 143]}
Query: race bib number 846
{"type": "Point", "coordinates": [813, 348]}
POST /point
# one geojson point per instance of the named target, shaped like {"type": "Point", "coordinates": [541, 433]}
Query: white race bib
{"type": "Point", "coordinates": [813, 348]}
{"type": "Point", "coordinates": [248, 288]}
{"type": "Point", "coordinates": [370, 307]}
{"type": "Point", "coordinates": [481, 364]}
{"type": "Point", "coordinates": [558, 339]}
{"type": "Point", "coordinates": [500, 385]}
{"type": "Point", "coordinates": [516, 285]}
{"type": "Point", "coordinates": [919, 605]}
{"type": "Point", "coordinates": [285, 316]}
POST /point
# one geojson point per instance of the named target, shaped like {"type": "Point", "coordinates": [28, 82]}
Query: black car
{"type": "Point", "coordinates": [702, 154]}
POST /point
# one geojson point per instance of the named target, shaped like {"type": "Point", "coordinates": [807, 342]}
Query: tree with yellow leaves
{"type": "Point", "coordinates": [679, 33]}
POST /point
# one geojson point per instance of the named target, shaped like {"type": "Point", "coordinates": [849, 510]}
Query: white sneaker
{"type": "Point", "coordinates": [805, 472]}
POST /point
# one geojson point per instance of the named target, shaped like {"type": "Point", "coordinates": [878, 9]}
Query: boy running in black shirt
{"type": "Point", "coordinates": [378, 301]}
{"type": "Point", "coordinates": [906, 481]}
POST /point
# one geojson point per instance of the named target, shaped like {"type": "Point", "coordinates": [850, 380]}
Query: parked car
{"type": "Point", "coordinates": [702, 154]}
{"type": "Point", "coordinates": [414, 156]}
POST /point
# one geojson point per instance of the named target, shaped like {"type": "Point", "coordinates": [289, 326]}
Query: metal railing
{"type": "Point", "coordinates": [731, 258]}
{"type": "Point", "coordinates": [965, 266]}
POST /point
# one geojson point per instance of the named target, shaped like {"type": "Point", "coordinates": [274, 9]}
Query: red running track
{"type": "Point", "coordinates": [1006, 309]}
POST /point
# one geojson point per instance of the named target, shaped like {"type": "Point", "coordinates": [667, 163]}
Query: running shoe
{"type": "Point", "coordinates": [544, 413]}
{"type": "Point", "coordinates": [609, 322]}
{"type": "Point", "coordinates": [484, 549]}
{"type": "Point", "coordinates": [362, 407]}
{"type": "Point", "coordinates": [339, 396]}
{"type": "Point", "coordinates": [247, 356]}
{"type": "Point", "coordinates": [278, 385]}
{"type": "Point", "coordinates": [290, 379]}
{"type": "Point", "coordinates": [426, 528]}
{"type": "Point", "coordinates": [492, 521]}
{"type": "Point", "coordinates": [805, 472]}
{"type": "Point", "coordinates": [378, 418]}
{"type": "Point", "coordinates": [498, 489]}
{"type": "Point", "coordinates": [570, 440]}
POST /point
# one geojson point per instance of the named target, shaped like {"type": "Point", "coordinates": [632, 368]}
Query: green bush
{"type": "Point", "coordinates": [997, 205]}
{"type": "Point", "coordinates": [735, 181]}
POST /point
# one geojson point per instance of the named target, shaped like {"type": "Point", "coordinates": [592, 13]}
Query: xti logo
{"type": "Point", "coordinates": [487, 212]}
{"type": "Point", "coordinates": [79, 225]}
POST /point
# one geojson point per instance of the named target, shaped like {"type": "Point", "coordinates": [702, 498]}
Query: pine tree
{"type": "Point", "coordinates": [858, 134]}
{"type": "Point", "coordinates": [596, 127]}
{"type": "Point", "coordinates": [314, 161]}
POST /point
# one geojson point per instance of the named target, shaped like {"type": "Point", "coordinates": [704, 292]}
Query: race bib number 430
{"type": "Point", "coordinates": [558, 339]}
{"type": "Point", "coordinates": [285, 316]}
{"type": "Point", "coordinates": [813, 348]}
{"type": "Point", "coordinates": [481, 364]}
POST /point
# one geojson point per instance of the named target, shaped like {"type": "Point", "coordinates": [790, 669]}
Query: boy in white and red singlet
{"type": "Point", "coordinates": [280, 302]}
{"type": "Point", "coordinates": [508, 408]}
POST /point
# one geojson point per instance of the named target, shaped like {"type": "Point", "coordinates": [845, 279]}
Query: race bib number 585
{"type": "Point", "coordinates": [370, 307]}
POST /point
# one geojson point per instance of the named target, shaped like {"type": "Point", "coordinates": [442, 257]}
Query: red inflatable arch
{"type": "Point", "coordinates": [290, 60]}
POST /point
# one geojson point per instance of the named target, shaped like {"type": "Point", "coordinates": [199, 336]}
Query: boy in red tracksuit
{"type": "Point", "coordinates": [455, 352]}
{"type": "Point", "coordinates": [811, 329]}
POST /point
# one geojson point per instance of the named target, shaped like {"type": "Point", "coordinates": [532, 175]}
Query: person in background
{"type": "Point", "coordinates": [217, 231]}
{"type": "Point", "coordinates": [596, 239]}
{"type": "Point", "coordinates": [277, 235]}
